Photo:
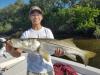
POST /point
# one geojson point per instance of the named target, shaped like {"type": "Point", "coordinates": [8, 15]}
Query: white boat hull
{"type": "Point", "coordinates": [20, 67]}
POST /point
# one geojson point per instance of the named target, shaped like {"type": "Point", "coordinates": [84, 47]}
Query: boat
{"type": "Point", "coordinates": [18, 66]}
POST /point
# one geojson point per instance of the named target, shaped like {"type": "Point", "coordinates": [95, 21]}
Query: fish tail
{"type": "Point", "coordinates": [88, 55]}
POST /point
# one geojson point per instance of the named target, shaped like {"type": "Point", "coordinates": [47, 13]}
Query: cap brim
{"type": "Point", "coordinates": [35, 10]}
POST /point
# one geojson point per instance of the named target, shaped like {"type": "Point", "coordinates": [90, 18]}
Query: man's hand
{"type": "Point", "coordinates": [15, 52]}
{"type": "Point", "coordinates": [59, 52]}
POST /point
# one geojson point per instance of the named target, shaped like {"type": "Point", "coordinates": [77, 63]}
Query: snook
{"type": "Point", "coordinates": [47, 47]}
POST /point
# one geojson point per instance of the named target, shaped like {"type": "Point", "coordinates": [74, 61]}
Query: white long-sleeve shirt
{"type": "Point", "coordinates": [35, 63]}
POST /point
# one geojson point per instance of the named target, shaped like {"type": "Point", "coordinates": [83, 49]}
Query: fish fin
{"type": "Point", "coordinates": [70, 39]}
{"type": "Point", "coordinates": [88, 55]}
{"type": "Point", "coordinates": [44, 54]}
{"type": "Point", "coordinates": [68, 42]}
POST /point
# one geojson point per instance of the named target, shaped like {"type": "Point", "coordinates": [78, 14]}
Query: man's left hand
{"type": "Point", "coordinates": [59, 52]}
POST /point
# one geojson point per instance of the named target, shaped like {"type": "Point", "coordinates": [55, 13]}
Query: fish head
{"type": "Point", "coordinates": [25, 44]}
{"type": "Point", "coordinates": [16, 43]}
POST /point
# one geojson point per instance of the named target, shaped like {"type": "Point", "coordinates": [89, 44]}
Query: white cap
{"type": "Point", "coordinates": [35, 8]}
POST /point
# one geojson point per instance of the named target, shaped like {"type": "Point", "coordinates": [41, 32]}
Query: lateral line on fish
{"type": "Point", "coordinates": [61, 45]}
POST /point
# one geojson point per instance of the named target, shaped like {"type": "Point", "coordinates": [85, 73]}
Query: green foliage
{"type": "Point", "coordinates": [76, 19]}
{"type": "Point", "coordinates": [84, 18]}
{"type": "Point", "coordinates": [1, 27]}
{"type": "Point", "coordinates": [61, 20]}
{"type": "Point", "coordinates": [90, 3]}
{"type": "Point", "coordinates": [9, 16]}
{"type": "Point", "coordinates": [97, 32]}
{"type": "Point", "coordinates": [73, 20]}
{"type": "Point", "coordinates": [4, 27]}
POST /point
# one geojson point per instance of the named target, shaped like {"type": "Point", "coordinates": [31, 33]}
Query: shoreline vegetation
{"type": "Point", "coordinates": [71, 17]}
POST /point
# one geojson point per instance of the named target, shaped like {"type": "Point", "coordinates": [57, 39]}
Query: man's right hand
{"type": "Point", "coordinates": [15, 52]}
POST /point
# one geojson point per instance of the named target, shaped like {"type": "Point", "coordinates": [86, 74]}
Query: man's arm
{"type": "Point", "coordinates": [15, 52]}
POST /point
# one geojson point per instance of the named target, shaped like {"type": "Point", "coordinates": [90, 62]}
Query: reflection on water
{"type": "Point", "coordinates": [91, 45]}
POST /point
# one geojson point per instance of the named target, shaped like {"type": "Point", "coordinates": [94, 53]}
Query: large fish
{"type": "Point", "coordinates": [47, 47]}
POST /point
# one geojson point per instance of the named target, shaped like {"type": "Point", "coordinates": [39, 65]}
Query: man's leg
{"type": "Point", "coordinates": [48, 73]}
{"type": "Point", "coordinates": [30, 73]}
{"type": "Point", "coordinates": [51, 73]}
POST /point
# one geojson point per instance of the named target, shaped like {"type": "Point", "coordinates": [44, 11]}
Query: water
{"type": "Point", "coordinates": [91, 45]}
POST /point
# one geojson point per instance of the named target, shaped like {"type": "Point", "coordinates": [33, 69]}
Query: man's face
{"type": "Point", "coordinates": [36, 17]}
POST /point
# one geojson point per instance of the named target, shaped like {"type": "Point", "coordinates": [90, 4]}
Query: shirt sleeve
{"type": "Point", "coordinates": [50, 34]}
{"type": "Point", "coordinates": [23, 35]}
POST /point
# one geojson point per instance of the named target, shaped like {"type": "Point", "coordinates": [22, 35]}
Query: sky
{"type": "Point", "coordinates": [5, 3]}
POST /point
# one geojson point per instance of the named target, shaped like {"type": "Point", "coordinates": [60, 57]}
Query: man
{"type": "Point", "coordinates": [36, 65]}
